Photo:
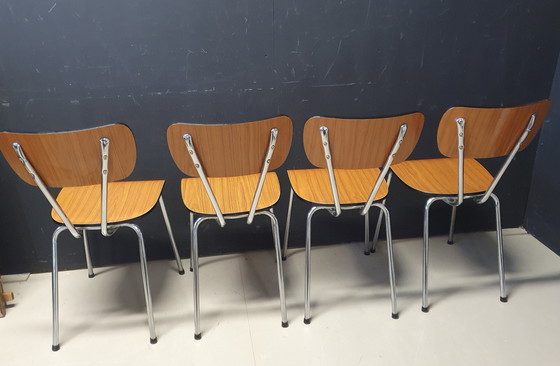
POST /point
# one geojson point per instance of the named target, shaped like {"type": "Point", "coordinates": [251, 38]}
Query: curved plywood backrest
{"type": "Point", "coordinates": [65, 159]}
{"type": "Point", "coordinates": [232, 149]}
{"type": "Point", "coordinates": [489, 132]}
{"type": "Point", "coordinates": [361, 143]}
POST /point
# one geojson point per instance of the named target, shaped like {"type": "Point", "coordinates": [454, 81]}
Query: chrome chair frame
{"type": "Point", "coordinates": [79, 231]}
{"type": "Point", "coordinates": [456, 201]}
{"type": "Point", "coordinates": [221, 220]}
{"type": "Point", "coordinates": [335, 211]}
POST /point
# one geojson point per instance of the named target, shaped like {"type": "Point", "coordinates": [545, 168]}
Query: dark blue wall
{"type": "Point", "coordinates": [543, 210]}
{"type": "Point", "coordinates": [69, 64]}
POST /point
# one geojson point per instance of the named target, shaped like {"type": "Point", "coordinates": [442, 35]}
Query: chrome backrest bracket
{"type": "Point", "coordinates": [388, 162]}
{"type": "Point", "coordinates": [192, 152]}
{"type": "Point", "coordinates": [267, 159]}
{"type": "Point", "coordinates": [104, 183]}
{"type": "Point", "coordinates": [511, 155]}
{"type": "Point", "coordinates": [21, 155]}
{"type": "Point", "coordinates": [328, 158]}
{"type": "Point", "coordinates": [460, 160]}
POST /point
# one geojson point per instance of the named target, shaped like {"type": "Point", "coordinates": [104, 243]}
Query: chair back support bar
{"type": "Point", "coordinates": [328, 160]}
{"type": "Point", "coordinates": [460, 161]}
{"type": "Point", "coordinates": [360, 143]}
{"type": "Point", "coordinates": [266, 164]}
{"type": "Point", "coordinates": [385, 170]}
{"type": "Point", "coordinates": [43, 188]}
{"type": "Point", "coordinates": [104, 144]}
{"type": "Point", "coordinates": [66, 159]}
{"type": "Point", "coordinates": [489, 132]}
{"type": "Point", "coordinates": [200, 171]}
{"type": "Point", "coordinates": [514, 151]}
{"type": "Point", "coordinates": [232, 149]}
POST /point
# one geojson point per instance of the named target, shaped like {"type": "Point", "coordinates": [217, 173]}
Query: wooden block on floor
{"type": "Point", "coordinates": [4, 298]}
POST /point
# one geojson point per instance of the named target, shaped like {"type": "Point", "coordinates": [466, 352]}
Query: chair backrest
{"type": "Point", "coordinates": [230, 149]}
{"type": "Point", "coordinates": [64, 159]}
{"type": "Point", "coordinates": [361, 143]}
{"type": "Point", "coordinates": [489, 132]}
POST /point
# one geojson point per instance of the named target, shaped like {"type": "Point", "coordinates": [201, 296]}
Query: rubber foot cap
{"type": "Point", "coordinates": [91, 275]}
{"type": "Point", "coordinates": [372, 251]}
{"type": "Point", "coordinates": [56, 348]}
{"type": "Point", "coordinates": [191, 269]}
{"type": "Point", "coordinates": [307, 321]}
{"type": "Point", "coordinates": [198, 336]}
{"type": "Point", "coordinates": [395, 316]}
{"type": "Point", "coordinates": [153, 340]}
{"type": "Point", "coordinates": [182, 272]}
{"type": "Point", "coordinates": [283, 258]}
{"type": "Point", "coordinates": [425, 309]}
{"type": "Point", "coordinates": [503, 299]}
{"type": "Point", "coordinates": [450, 242]}
{"type": "Point", "coordinates": [366, 253]}
{"type": "Point", "coordinates": [284, 324]}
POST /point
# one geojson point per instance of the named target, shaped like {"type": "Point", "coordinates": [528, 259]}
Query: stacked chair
{"type": "Point", "coordinates": [466, 134]}
{"type": "Point", "coordinates": [348, 154]}
{"type": "Point", "coordinates": [88, 165]}
{"type": "Point", "coordinates": [231, 166]}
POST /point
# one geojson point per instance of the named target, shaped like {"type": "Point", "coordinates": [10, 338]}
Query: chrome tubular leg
{"type": "Point", "coordinates": [392, 281]}
{"type": "Point", "coordinates": [503, 295]}
{"type": "Point", "coordinates": [287, 229]}
{"type": "Point", "coordinates": [276, 235]}
{"type": "Point", "coordinates": [191, 229]}
{"type": "Point", "coordinates": [146, 282]}
{"type": "Point", "coordinates": [452, 225]}
{"type": "Point", "coordinates": [171, 236]}
{"type": "Point", "coordinates": [380, 218]}
{"type": "Point", "coordinates": [196, 282]}
{"type": "Point", "coordinates": [366, 233]}
{"type": "Point", "coordinates": [88, 257]}
{"type": "Point", "coordinates": [426, 255]}
{"type": "Point", "coordinates": [55, 320]}
{"type": "Point", "coordinates": [377, 229]}
{"type": "Point", "coordinates": [307, 288]}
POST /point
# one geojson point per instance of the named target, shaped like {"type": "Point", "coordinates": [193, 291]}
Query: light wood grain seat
{"type": "Point", "coordinates": [232, 168]}
{"type": "Point", "coordinates": [465, 134]}
{"type": "Point", "coordinates": [439, 176]}
{"type": "Point", "coordinates": [89, 165]}
{"type": "Point", "coordinates": [354, 185]}
{"type": "Point", "coordinates": [348, 154]}
{"type": "Point", "coordinates": [234, 194]}
{"type": "Point", "coordinates": [126, 201]}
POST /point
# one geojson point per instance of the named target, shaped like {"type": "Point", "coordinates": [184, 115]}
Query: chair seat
{"type": "Point", "coordinates": [354, 185]}
{"type": "Point", "coordinates": [439, 176]}
{"type": "Point", "coordinates": [233, 194]}
{"type": "Point", "coordinates": [125, 201]}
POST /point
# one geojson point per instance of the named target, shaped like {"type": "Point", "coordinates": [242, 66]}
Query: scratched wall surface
{"type": "Point", "coordinates": [70, 64]}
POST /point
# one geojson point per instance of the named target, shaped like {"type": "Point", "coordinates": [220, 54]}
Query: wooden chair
{"type": "Point", "coordinates": [232, 165]}
{"type": "Point", "coordinates": [348, 153]}
{"type": "Point", "coordinates": [88, 165]}
{"type": "Point", "coordinates": [466, 134]}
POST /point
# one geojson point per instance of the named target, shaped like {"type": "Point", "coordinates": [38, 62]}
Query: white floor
{"type": "Point", "coordinates": [103, 320]}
